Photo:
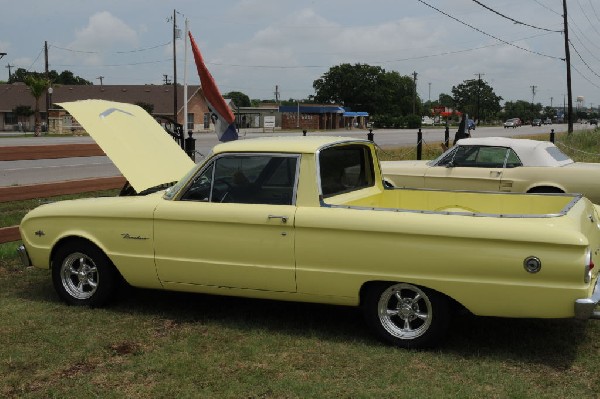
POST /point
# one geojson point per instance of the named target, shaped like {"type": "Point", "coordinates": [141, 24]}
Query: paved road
{"type": "Point", "coordinates": [48, 170]}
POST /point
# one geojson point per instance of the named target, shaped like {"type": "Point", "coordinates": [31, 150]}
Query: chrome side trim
{"type": "Point", "coordinates": [586, 308]}
{"type": "Point", "coordinates": [24, 256]}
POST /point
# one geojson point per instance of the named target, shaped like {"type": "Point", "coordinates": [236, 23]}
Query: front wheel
{"type": "Point", "coordinates": [406, 315]}
{"type": "Point", "coordinates": [83, 275]}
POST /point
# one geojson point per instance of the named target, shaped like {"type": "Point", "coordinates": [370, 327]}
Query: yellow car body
{"type": "Point", "coordinates": [344, 241]}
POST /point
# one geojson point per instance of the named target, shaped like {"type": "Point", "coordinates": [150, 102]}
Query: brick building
{"type": "Point", "coordinates": [160, 97]}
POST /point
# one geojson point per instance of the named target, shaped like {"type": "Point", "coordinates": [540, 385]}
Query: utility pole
{"type": "Point", "coordinates": [100, 78]}
{"type": "Point", "coordinates": [175, 71]}
{"type": "Point", "coordinates": [429, 97]}
{"type": "Point", "coordinates": [568, 62]}
{"type": "Point", "coordinates": [185, 85]}
{"type": "Point", "coordinates": [533, 87]}
{"type": "Point", "coordinates": [277, 94]}
{"type": "Point", "coordinates": [9, 72]}
{"type": "Point", "coordinates": [48, 81]}
{"type": "Point", "coordinates": [551, 98]}
{"type": "Point", "coordinates": [478, 95]}
{"type": "Point", "coordinates": [415, 93]}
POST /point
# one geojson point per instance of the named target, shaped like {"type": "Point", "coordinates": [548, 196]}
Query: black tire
{"type": "Point", "coordinates": [406, 315]}
{"type": "Point", "coordinates": [83, 275]}
{"type": "Point", "coordinates": [546, 190]}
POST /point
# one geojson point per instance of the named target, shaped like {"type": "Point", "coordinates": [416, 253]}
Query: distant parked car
{"type": "Point", "coordinates": [536, 122]}
{"type": "Point", "coordinates": [594, 122]}
{"type": "Point", "coordinates": [547, 121]}
{"type": "Point", "coordinates": [427, 121]}
{"type": "Point", "coordinates": [513, 122]}
{"type": "Point", "coordinates": [471, 124]}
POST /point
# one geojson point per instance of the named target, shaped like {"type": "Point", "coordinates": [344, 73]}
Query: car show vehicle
{"type": "Point", "coordinates": [309, 219]}
{"type": "Point", "coordinates": [536, 122]}
{"type": "Point", "coordinates": [498, 164]}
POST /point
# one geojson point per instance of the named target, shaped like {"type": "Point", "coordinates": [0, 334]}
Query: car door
{"type": "Point", "coordinates": [477, 168]}
{"type": "Point", "coordinates": [233, 226]}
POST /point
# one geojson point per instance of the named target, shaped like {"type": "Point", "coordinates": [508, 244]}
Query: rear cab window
{"type": "Point", "coordinates": [346, 168]}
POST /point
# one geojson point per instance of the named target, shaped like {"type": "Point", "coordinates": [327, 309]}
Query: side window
{"type": "Point", "coordinates": [475, 157]}
{"type": "Point", "coordinates": [513, 160]}
{"type": "Point", "coordinates": [345, 168]}
{"type": "Point", "coordinates": [465, 156]}
{"type": "Point", "coordinates": [490, 157]}
{"type": "Point", "coordinates": [246, 179]}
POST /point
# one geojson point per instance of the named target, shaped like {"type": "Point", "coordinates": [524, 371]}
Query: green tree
{"type": "Point", "coordinates": [521, 109]}
{"type": "Point", "coordinates": [476, 98]}
{"type": "Point", "coordinates": [363, 87]}
{"type": "Point", "coordinates": [22, 112]}
{"type": "Point", "coordinates": [64, 78]}
{"type": "Point", "coordinates": [37, 87]}
{"type": "Point", "coordinates": [239, 99]}
{"type": "Point", "coordinates": [148, 107]}
{"type": "Point", "coordinates": [446, 100]}
{"type": "Point", "coordinates": [549, 112]}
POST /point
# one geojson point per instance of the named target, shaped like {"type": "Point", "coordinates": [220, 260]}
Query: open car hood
{"type": "Point", "coordinates": [138, 146]}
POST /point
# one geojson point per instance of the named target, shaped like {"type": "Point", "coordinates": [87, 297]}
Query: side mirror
{"type": "Point", "coordinates": [450, 164]}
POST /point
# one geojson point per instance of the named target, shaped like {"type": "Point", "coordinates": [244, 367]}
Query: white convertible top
{"type": "Point", "coordinates": [530, 152]}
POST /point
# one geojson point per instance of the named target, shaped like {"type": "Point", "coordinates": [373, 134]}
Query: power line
{"type": "Point", "coordinates": [115, 65]}
{"type": "Point", "coordinates": [512, 19]}
{"type": "Point", "coordinates": [36, 59]}
{"type": "Point", "coordinates": [488, 34]}
{"type": "Point", "coordinates": [572, 23]}
{"type": "Point", "coordinates": [585, 47]}
{"type": "Point", "coordinates": [594, 9]}
{"type": "Point", "coordinates": [586, 17]}
{"type": "Point", "coordinates": [111, 52]}
{"type": "Point", "coordinates": [548, 8]}
{"type": "Point", "coordinates": [420, 57]}
{"type": "Point", "coordinates": [582, 60]}
{"type": "Point", "coordinates": [585, 77]}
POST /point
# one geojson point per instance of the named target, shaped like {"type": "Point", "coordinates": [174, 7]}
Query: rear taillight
{"type": "Point", "coordinates": [589, 265]}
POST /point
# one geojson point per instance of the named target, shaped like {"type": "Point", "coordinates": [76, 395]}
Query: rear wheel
{"type": "Point", "coordinates": [406, 315]}
{"type": "Point", "coordinates": [546, 190]}
{"type": "Point", "coordinates": [83, 275]}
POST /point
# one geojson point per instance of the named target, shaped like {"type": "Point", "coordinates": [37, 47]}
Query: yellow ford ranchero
{"type": "Point", "coordinates": [309, 219]}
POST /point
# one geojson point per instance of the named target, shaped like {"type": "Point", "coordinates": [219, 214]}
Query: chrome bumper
{"type": "Point", "coordinates": [587, 308]}
{"type": "Point", "coordinates": [24, 256]}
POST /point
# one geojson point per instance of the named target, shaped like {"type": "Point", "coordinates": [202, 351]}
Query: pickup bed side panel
{"type": "Point", "coordinates": [478, 261]}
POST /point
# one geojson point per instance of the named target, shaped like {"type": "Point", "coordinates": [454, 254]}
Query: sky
{"type": "Point", "coordinates": [254, 46]}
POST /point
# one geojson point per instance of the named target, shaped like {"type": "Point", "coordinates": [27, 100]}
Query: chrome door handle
{"type": "Point", "coordinates": [284, 219]}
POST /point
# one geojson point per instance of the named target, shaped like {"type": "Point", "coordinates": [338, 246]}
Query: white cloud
{"type": "Point", "coordinates": [104, 32]}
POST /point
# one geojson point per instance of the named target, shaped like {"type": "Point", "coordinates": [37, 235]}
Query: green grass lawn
{"type": "Point", "coordinates": [161, 344]}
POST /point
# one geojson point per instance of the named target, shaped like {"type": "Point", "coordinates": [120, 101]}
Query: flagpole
{"type": "Point", "coordinates": [185, 87]}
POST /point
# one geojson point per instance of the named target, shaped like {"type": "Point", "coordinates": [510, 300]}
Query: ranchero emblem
{"type": "Point", "coordinates": [40, 233]}
{"type": "Point", "coordinates": [127, 236]}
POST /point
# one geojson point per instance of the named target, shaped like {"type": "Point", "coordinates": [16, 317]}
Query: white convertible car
{"type": "Point", "coordinates": [499, 164]}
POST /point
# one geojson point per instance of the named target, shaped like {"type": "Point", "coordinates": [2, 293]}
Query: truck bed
{"type": "Point", "coordinates": [466, 202]}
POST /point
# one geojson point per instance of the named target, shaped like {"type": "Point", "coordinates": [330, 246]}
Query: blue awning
{"type": "Point", "coordinates": [350, 114]}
